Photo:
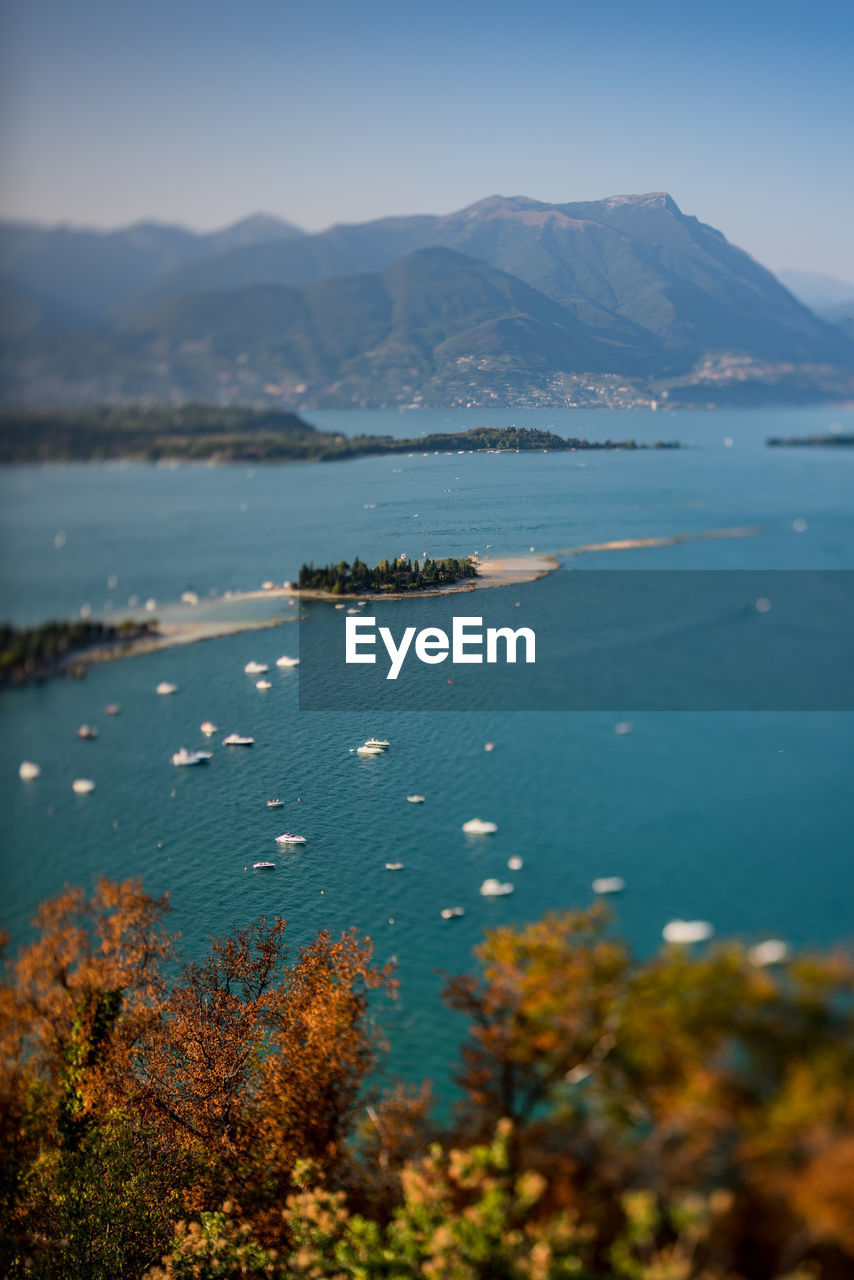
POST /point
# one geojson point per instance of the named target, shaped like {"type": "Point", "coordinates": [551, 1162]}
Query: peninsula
{"type": "Point", "coordinates": [202, 433]}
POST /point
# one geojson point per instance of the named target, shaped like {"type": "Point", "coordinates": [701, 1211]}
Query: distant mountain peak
{"type": "Point", "coordinates": [646, 200]}
{"type": "Point", "coordinates": [264, 222]}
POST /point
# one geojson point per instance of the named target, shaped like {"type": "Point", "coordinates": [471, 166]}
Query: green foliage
{"type": "Point", "coordinates": [388, 575]}
{"type": "Point", "coordinates": [29, 652]}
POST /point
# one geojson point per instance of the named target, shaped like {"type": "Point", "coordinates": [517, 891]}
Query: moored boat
{"type": "Point", "coordinates": [477, 827]}
{"type": "Point", "coordinates": [165, 687]}
{"type": "Point", "coordinates": [683, 932]}
{"type": "Point", "coordinates": [237, 740]}
{"type": "Point", "coordinates": [288, 838]}
{"type": "Point", "coordinates": [609, 884]}
{"type": "Point", "coordinates": [185, 757]}
{"type": "Point", "coordinates": [495, 888]}
{"type": "Point", "coordinates": [82, 786]}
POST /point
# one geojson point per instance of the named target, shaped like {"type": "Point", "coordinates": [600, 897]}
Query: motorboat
{"type": "Point", "coordinates": [208, 728]}
{"type": "Point", "coordinates": [609, 884]}
{"type": "Point", "coordinates": [29, 771]}
{"type": "Point", "coordinates": [515, 863]}
{"type": "Point", "coordinates": [185, 757]}
{"type": "Point", "coordinates": [263, 866]}
{"type": "Point", "coordinates": [82, 786]}
{"type": "Point", "coordinates": [415, 799]}
{"type": "Point", "coordinates": [394, 866]}
{"type": "Point", "coordinates": [263, 684]}
{"type": "Point", "coordinates": [772, 951]}
{"type": "Point", "coordinates": [382, 743]}
{"type": "Point", "coordinates": [489, 746]}
{"type": "Point", "coordinates": [87, 732]}
{"type": "Point", "coordinates": [275, 804]}
{"type": "Point", "coordinates": [477, 827]}
{"type": "Point", "coordinates": [452, 913]}
{"type": "Point", "coordinates": [495, 888]}
{"type": "Point", "coordinates": [165, 687]}
{"type": "Point", "coordinates": [287, 838]}
{"type": "Point", "coordinates": [624, 727]}
{"type": "Point", "coordinates": [237, 740]}
{"type": "Point", "coordinates": [370, 751]}
{"type": "Point", "coordinates": [112, 709]}
{"type": "Point", "coordinates": [256, 668]}
{"type": "Point", "coordinates": [285, 661]}
{"type": "Point", "coordinates": [687, 931]}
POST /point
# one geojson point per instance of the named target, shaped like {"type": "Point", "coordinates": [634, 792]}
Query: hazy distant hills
{"type": "Point", "coordinates": [507, 301]}
{"type": "Point", "coordinates": [79, 277]}
{"type": "Point", "coordinates": [820, 292]}
{"type": "Point", "coordinates": [830, 298]}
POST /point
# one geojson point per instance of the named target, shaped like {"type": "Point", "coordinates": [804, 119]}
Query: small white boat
{"type": "Point", "coordinates": [515, 863]}
{"type": "Point", "coordinates": [208, 728]}
{"type": "Point", "coordinates": [452, 913]}
{"type": "Point", "coordinates": [624, 727]}
{"type": "Point", "coordinates": [256, 668]}
{"type": "Point", "coordinates": [87, 732]}
{"type": "Point", "coordinates": [687, 931]}
{"type": "Point", "coordinates": [415, 799]}
{"type": "Point", "coordinates": [772, 951]}
{"type": "Point", "coordinates": [185, 757]}
{"type": "Point", "coordinates": [382, 743]}
{"type": "Point", "coordinates": [165, 687]}
{"type": "Point", "coordinates": [268, 585]}
{"type": "Point", "coordinates": [370, 751]}
{"type": "Point", "coordinates": [28, 770]}
{"type": "Point", "coordinates": [82, 786]}
{"type": "Point", "coordinates": [285, 661]}
{"type": "Point", "coordinates": [287, 838]}
{"type": "Point", "coordinates": [263, 866]}
{"type": "Point", "coordinates": [394, 866]}
{"type": "Point", "coordinates": [237, 740]}
{"type": "Point", "coordinates": [489, 746]}
{"type": "Point", "coordinates": [112, 709]}
{"type": "Point", "coordinates": [496, 888]}
{"type": "Point", "coordinates": [189, 597]}
{"type": "Point", "coordinates": [477, 827]}
{"type": "Point", "coordinates": [275, 804]}
{"type": "Point", "coordinates": [263, 684]}
{"type": "Point", "coordinates": [609, 884]}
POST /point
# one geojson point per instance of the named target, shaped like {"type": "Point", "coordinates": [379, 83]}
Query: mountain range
{"type": "Point", "coordinates": [508, 301]}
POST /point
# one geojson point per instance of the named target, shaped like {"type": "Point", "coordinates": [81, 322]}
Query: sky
{"type": "Point", "coordinates": [203, 111]}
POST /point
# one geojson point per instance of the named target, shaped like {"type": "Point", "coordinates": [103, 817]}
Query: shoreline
{"type": "Point", "coordinates": [498, 571]}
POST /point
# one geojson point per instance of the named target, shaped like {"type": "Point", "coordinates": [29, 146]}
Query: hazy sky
{"type": "Point", "coordinates": [202, 111]}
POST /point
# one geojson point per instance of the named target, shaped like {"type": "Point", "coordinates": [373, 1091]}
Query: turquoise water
{"type": "Point", "coordinates": [742, 819]}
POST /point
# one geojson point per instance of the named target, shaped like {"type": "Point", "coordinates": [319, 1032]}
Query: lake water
{"type": "Point", "coordinates": [742, 819]}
